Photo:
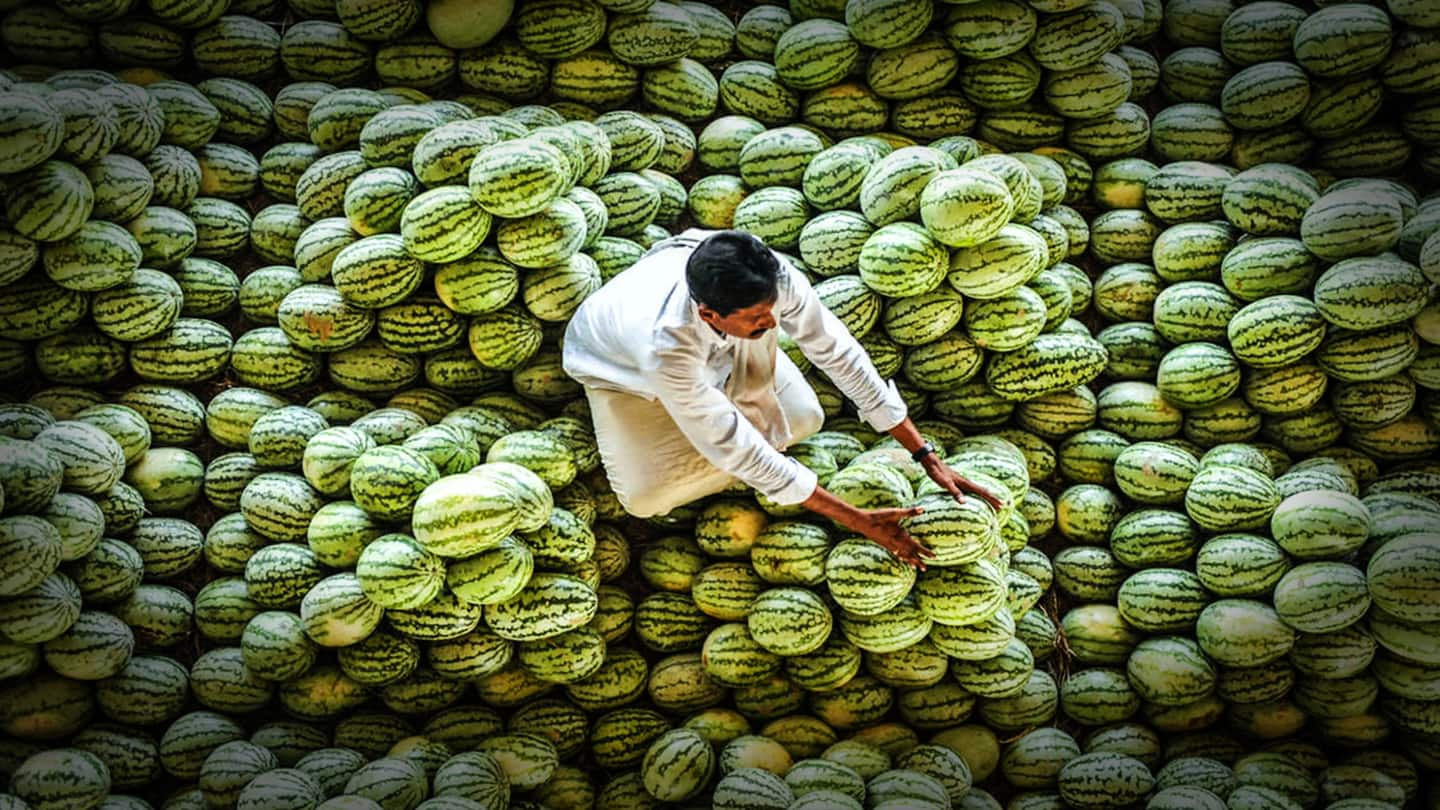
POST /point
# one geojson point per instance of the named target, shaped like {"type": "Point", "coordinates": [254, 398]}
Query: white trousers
{"type": "Point", "coordinates": [653, 468]}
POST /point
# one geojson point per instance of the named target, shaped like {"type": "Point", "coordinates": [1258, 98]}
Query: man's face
{"type": "Point", "coordinates": [749, 323]}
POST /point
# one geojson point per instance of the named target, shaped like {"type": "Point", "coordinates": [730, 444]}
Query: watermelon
{"type": "Point", "coordinates": [62, 777]}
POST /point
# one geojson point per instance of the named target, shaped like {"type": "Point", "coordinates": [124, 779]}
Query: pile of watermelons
{"type": "Point", "coordinates": [300, 510]}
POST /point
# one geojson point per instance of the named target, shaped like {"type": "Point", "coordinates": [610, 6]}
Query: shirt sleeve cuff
{"type": "Point", "coordinates": [890, 412]}
{"type": "Point", "coordinates": [799, 488]}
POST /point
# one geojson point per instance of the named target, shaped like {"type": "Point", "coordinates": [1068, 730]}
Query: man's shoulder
{"type": "Point", "coordinates": [644, 291]}
{"type": "Point", "coordinates": [653, 276]}
{"type": "Point", "coordinates": [688, 238]}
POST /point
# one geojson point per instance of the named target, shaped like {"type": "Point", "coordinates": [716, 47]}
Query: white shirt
{"type": "Point", "coordinates": [642, 334]}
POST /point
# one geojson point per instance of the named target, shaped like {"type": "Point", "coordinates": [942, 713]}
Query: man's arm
{"type": "Point", "coordinates": [881, 525]}
{"type": "Point", "coordinates": [722, 434]}
{"type": "Point", "coordinates": [941, 473]}
{"type": "Point", "coordinates": [717, 429]}
{"type": "Point", "coordinates": [832, 349]}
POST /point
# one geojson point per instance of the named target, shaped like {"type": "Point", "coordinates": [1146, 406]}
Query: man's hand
{"type": "Point", "coordinates": [883, 526]}
{"type": "Point", "coordinates": [880, 525]}
{"type": "Point", "coordinates": [955, 483]}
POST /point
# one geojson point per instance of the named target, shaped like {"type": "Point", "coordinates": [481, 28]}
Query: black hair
{"type": "Point", "coordinates": [732, 270]}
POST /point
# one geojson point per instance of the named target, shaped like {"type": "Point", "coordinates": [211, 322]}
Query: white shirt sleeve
{"type": "Point", "coordinates": [831, 347]}
{"type": "Point", "coordinates": [723, 435]}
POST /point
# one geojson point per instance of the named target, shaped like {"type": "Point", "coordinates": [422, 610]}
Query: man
{"type": "Point", "coordinates": [687, 391]}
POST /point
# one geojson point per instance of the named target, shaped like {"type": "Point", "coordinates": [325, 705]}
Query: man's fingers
{"type": "Point", "coordinates": [984, 494]}
{"type": "Point", "coordinates": [989, 496]}
{"type": "Point", "coordinates": [953, 487]}
{"type": "Point", "coordinates": [910, 552]}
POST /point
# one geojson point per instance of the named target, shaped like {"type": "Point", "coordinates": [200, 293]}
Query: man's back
{"type": "Point", "coordinates": [611, 341]}
{"type": "Point", "coordinates": [682, 408]}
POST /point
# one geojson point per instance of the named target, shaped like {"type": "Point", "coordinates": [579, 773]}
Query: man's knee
{"type": "Point", "coordinates": [665, 498]}
{"type": "Point", "coordinates": [797, 399]}
{"type": "Point", "coordinates": [807, 417]}
{"type": "Point", "coordinates": [637, 492]}
{"type": "Point", "coordinates": [644, 506]}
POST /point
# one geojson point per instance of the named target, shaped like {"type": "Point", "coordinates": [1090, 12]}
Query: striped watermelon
{"type": "Point", "coordinates": [92, 459]}
{"type": "Point", "coordinates": [1387, 290]}
{"type": "Point", "coordinates": [677, 765]}
{"type": "Point", "coordinates": [34, 132]}
{"type": "Point", "coordinates": [61, 777]}
{"type": "Point", "coordinates": [961, 595]}
{"type": "Point", "coordinates": [473, 775]}
{"type": "Point", "coordinates": [376, 271]}
{"type": "Point", "coordinates": [785, 620]}
{"type": "Point", "coordinates": [1320, 597]}
{"type": "Point", "coordinates": [777, 157]}
{"type": "Point", "coordinates": [901, 260]}
{"type": "Point", "coordinates": [1243, 632]}
{"type": "Point", "coordinates": [965, 207]}
{"type": "Point", "coordinates": [550, 604]}
{"type": "Point", "coordinates": [913, 70]}
{"type": "Point", "coordinates": [281, 788]}
{"type": "Point", "coordinates": [1338, 226]}
{"type": "Point", "coordinates": [546, 237]}
{"type": "Point", "coordinates": [1401, 567]}
{"type": "Point", "coordinates": [744, 788]}
{"type": "Point", "coordinates": [815, 53]}
{"type": "Point", "coordinates": [1049, 364]}
{"type": "Point", "coordinates": [1366, 39]}
{"type": "Point", "coordinates": [1320, 524]}
{"type": "Point", "coordinates": [999, 264]}
{"type": "Point", "coordinates": [864, 579]}
{"type": "Point", "coordinates": [528, 760]}
{"type": "Point", "coordinates": [443, 225]}
{"type": "Point", "coordinates": [49, 202]}
{"type": "Point", "coordinates": [386, 481]}
{"type": "Point", "coordinates": [492, 576]}
{"type": "Point", "coordinates": [892, 188]}
{"type": "Point", "coordinates": [1270, 199]}
{"type": "Point", "coordinates": [395, 572]}
{"type": "Point", "coordinates": [1276, 331]}
{"type": "Point", "coordinates": [274, 646]}
{"type": "Point", "coordinates": [460, 515]}
{"type": "Point", "coordinates": [336, 612]}
{"type": "Point", "coordinates": [517, 178]}
{"type": "Point", "coordinates": [833, 178]}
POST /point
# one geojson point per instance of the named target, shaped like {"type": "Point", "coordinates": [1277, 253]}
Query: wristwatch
{"type": "Point", "coordinates": [922, 451]}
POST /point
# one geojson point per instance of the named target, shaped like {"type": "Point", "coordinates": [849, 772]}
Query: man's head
{"type": "Point", "coordinates": [734, 278]}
